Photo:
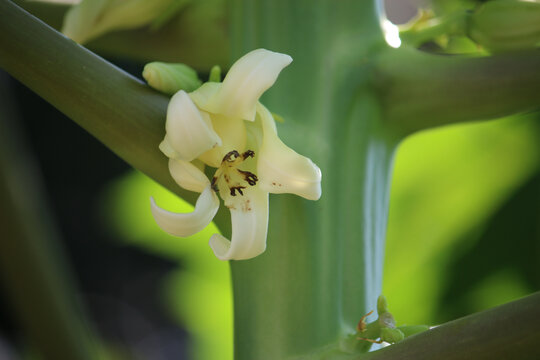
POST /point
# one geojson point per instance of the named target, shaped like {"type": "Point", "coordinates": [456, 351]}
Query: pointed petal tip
{"type": "Point", "coordinates": [249, 77]}
{"type": "Point", "coordinates": [167, 149]}
{"type": "Point", "coordinates": [221, 246]}
{"type": "Point", "coordinates": [282, 170]}
{"type": "Point", "coordinates": [249, 217]}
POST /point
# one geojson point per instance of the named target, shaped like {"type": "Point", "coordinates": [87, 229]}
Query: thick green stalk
{"type": "Point", "coordinates": [421, 90]}
{"type": "Point", "coordinates": [119, 110]}
{"type": "Point", "coordinates": [323, 266]}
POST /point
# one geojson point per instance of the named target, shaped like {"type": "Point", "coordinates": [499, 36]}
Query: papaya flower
{"type": "Point", "coordinates": [224, 126]}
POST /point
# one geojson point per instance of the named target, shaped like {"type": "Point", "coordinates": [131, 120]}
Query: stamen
{"type": "Point", "coordinates": [228, 174]}
{"type": "Point", "coordinates": [231, 156]}
{"type": "Point", "coordinates": [237, 188]}
{"type": "Point", "coordinates": [250, 177]}
{"type": "Point", "coordinates": [249, 153]}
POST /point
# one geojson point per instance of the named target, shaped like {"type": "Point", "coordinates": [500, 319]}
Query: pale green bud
{"type": "Point", "coordinates": [169, 78]}
{"type": "Point", "coordinates": [386, 320]}
{"type": "Point", "coordinates": [382, 304]}
{"type": "Point", "coordinates": [215, 74]}
{"type": "Point", "coordinates": [506, 25]}
{"type": "Point", "coordinates": [391, 335]}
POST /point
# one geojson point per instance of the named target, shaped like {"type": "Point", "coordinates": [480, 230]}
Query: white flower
{"type": "Point", "coordinates": [89, 19]}
{"type": "Point", "coordinates": [223, 125]}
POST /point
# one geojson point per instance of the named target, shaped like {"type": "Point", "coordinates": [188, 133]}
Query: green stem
{"type": "Point", "coordinates": [110, 104]}
{"type": "Point", "coordinates": [122, 112]}
{"type": "Point", "coordinates": [507, 332]}
{"type": "Point", "coordinates": [421, 90]}
{"type": "Point", "coordinates": [323, 266]}
{"type": "Point", "coordinates": [448, 25]}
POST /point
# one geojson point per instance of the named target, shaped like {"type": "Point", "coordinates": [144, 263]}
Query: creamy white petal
{"type": "Point", "coordinates": [249, 216]}
{"type": "Point", "coordinates": [80, 20]}
{"type": "Point", "coordinates": [187, 175]}
{"type": "Point", "coordinates": [282, 170]}
{"type": "Point", "coordinates": [187, 224]}
{"type": "Point", "coordinates": [202, 95]}
{"type": "Point", "coordinates": [245, 82]}
{"type": "Point", "coordinates": [189, 131]}
{"type": "Point", "coordinates": [92, 18]}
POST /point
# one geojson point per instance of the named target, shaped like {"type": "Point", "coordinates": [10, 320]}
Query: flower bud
{"type": "Point", "coordinates": [506, 25]}
{"type": "Point", "coordinates": [170, 78]}
{"type": "Point", "coordinates": [382, 305]}
{"type": "Point", "coordinates": [215, 74]}
{"type": "Point", "coordinates": [92, 18]}
{"type": "Point", "coordinates": [391, 336]}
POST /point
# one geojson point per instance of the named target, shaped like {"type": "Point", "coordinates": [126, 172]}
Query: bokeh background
{"type": "Point", "coordinates": [463, 235]}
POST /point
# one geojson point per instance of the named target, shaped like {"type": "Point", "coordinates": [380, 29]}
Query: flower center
{"type": "Point", "coordinates": [229, 176]}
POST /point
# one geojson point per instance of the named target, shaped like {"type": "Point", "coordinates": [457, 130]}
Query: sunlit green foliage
{"type": "Point", "coordinates": [443, 196]}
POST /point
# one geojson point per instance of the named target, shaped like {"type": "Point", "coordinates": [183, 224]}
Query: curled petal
{"type": "Point", "coordinates": [187, 224]}
{"type": "Point", "coordinates": [245, 82]}
{"type": "Point", "coordinates": [249, 216]}
{"type": "Point", "coordinates": [187, 175]}
{"type": "Point", "coordinates": [189, 131]}
{"type": "Point", "coordinates": [281, 169]}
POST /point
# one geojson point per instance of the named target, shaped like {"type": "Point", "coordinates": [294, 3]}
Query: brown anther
{"type": "Point", "coordinates": [237, 188]}
{"type": "Point", "coordinates": [230, 156]}
{"type": "Point", "coordinates": [362, 323]}
{"type": "Point", "coordinates": [249, 153]}
{"type": "Point", "coordinates": [250, 177]}
{"type": "Point", "coordinates": [229, 175]}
